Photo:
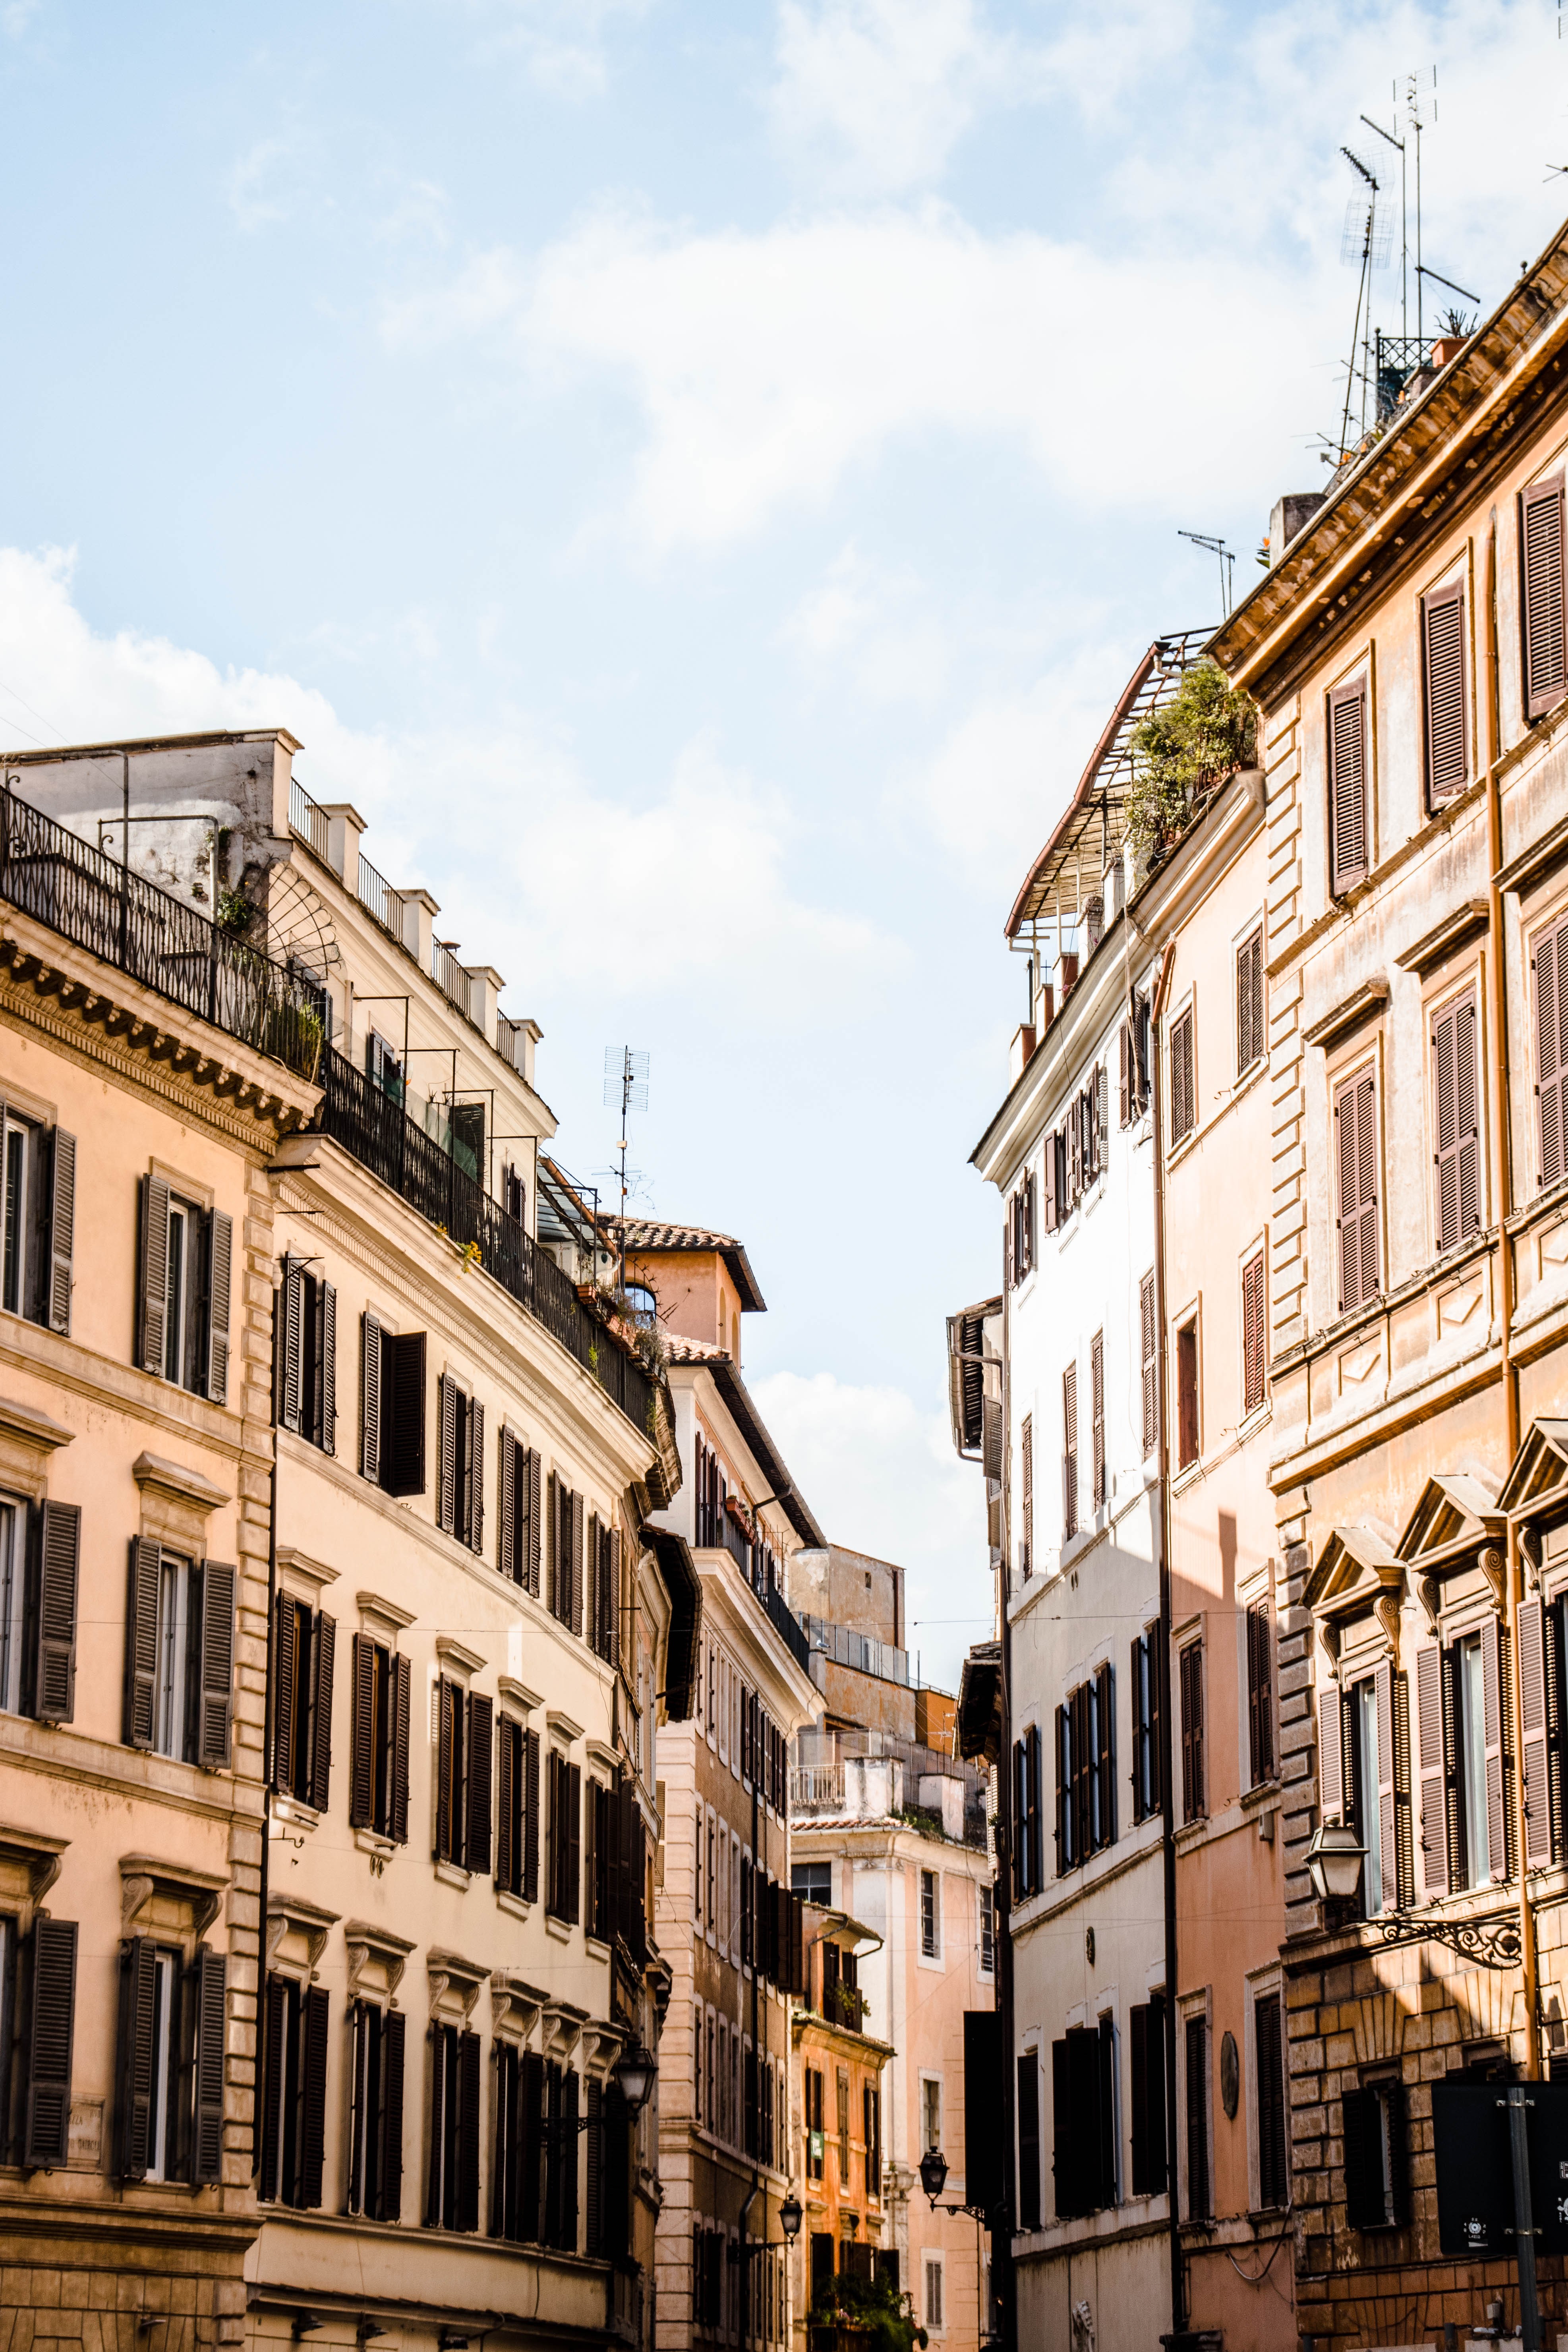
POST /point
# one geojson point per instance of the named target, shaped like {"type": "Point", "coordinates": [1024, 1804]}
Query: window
{"type": "Point", "coordinates": [713, 1871]}
{"type": "Point", "coordinates": [1083, 2110]}
{"type": "Point", "coordinates": [382, 1067]}
{"type": "Point", "coordinates": [376, 2117]}
{"type": "Point", "coordinates": [1371, 1731]}
{"type": "Point", "coordinates": [452, 2189]}
{"type": "Point", "coordinates": [1268, 2047]}
{"type": "Point", "coordinates": [1132, 1045]}
{"type": "Point", "coordinates": [37, 1226]}
{"type": "Point", "coordinates": [1260, 1693]}
{"type": "Point", "coordinates": [304, 1647]}
{"type": "Point", "coordinates": [1096, 1415]}
{"type": "Point", "coordinates": [931, 2112]}
{"type": "Point", "coordinates": [378, 1790]}
{"type": "Point", "coordinates": [1190, 1664]}
{"type": "Point", "coordinates": [307, 1311]}
{"type": "Point", "coordinates": [1355, 1145]}
{"type": "Point", "coordinates": [1253, 1335]}
{"type": "Point", "coordinates": [1200, 2202]}
{"type": "Point", "coordinates": [183, 1291]}
{"type": "Point", "coordinates": [1475, 1707]}
{"type": "Point", "coordinates": [467, 1128]}
{"type": "Point", "coordinates": [293, 2093]}
{"type": "Point", "coordinates": [567, 1534]}
{"type": "Point", "coordinates": [1147, 1735]}
{"type": "Point", "coordinates": [931, 1939]}
{"type": "Point", "coordinates": [460, 1483]}
{"type": "Point", "coordinates": [514, 1197]}
{"type": "Point", "coordinates": [603, 1594]}
{"type": "Point", "coordinates": [1183, 1100]}
{"type": "Point", "coordinates": [1187, 1394]}
{"type": "Point", "coordinates": [933, 2314]}
{"type": "Point", "coordinates": [987, 1894]}
{"type": "Point", "coordinates": [1348, 855]}
{"type": "Point", "coordinates": [39, 1609]}
{"type": "Point", "coordinates": [842, 2087]}
{"type": "Point", "coordinates": [169, 2101]}
{"type": "Point", "coordinates": [871, 2126]}
{"type": "Point", "coordinates": [1541, 553]}
{"type": "Point", "coordinates": [562, 2095]}
{"type": "Point", "coordinates": [1027, 1532]}
{"type": "Point", "coordinates": [465, 1730]}
{"type": "Point", "coordinates": [1445, 706]}
{"type": "Point", "coordinates": [1146, 2032]}
{"type": "Point", "coordinates": [813, 1882]}
{"type": "Point", "coordinates": [1028, 1835]}
{"type": "Point", "coordinates": [517, 1810]}
{"type": "Point", "coordinates": [1377, 2157]}
{"type": "Point", "coordinates": [564, 1839]}
{"type": "Point", "coordinates": [1086, 1771]}
{"type": "Point", "coordinates": [1021, 1230]}
{"type": "Point", "coordinates": [1250, 1039]}
{"type": "Point", "coordinates": [392, 1429]}
{"type": "Point", "coordinates": [1549, 964]}
{"type": "Point", "coordinates": [1150, 1360]}
{"type": "Point", "coordinates": [814, 2140]}
{"type": "Point", "coordinates": [179, 1655]}
{"type": "Point", "coordinates": [1028, 2141]}
{"type": "Point", "coordinates": [1070, 1451]}
{"type": "Point", "coordinates": [1457, 1207]}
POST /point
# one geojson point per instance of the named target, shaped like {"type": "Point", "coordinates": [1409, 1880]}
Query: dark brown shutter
{"type": "Point", "coordinates": [1491, 1676]}
{"type": "Point", "coordinates": [135, 2091]}
{"type": "Point", "coordinates": [447, 1700]}
{"type": "Point", "coordinates": [401, 1679]}
{"type": "Point", "coordinates": [797, 1944]}
{"type": "Point", "coordinates": [1105, 1758]}
{"type": "Point", "coordinates": [506, 1803]}
{"type": "Point", "coordinates": [575, 1617]}
{"type": "Point", "coordinates": [594, 2235]}
{"type": "Point", "coordinates": [321, 1726]}
{"type": "Point", "coordinates": [1347, 786]}
{"type": "Point", "coordinates": [52, 1669]}
{"type": "Point", "coordinates": [1392, 2094]}
{"type": "Point", "coordinates": [1273, 2171]}
{"type": "Point", "coordinates": [1540, 547]}
{"type": "Point", "coordinates": [1150, 1362]}
{"type": "Point", "coordinates": [1199, 2200]}
{"type": "Point", "coordinates": [314, 2006]}
{"type": "Point", "coordinates": [403, 1448]}
{"type": "Point", "coordinates": [1069, 1451]}
{"type": "Point", "coordinates": [506, 1504]}
{"type": "Point", "coordinates": [530, 1816]}
{"type": "Point", "coordinates": [361, 2102]}
{"type": "Point", "coordinates": [1383, 1681]}
{"type": "Point", "coordinates": [1053, 1204]}
{"type": "Point", "coordinates": [1183, 1108]}
{"type": "Point", "coordinates": [535, 1519]}
{"type": "Point", "coordinates": [572, 1784]}
{"type": "Point", "coordinates": [553, 1569]}
{"type": "Point", "coordinates": [1532, 1721]}
{"type": "Point", "coordinates": [361, 1779]}
{"type": "Point", "coordinates": [274, 2016]}
{"type": "Point", "coordinates": [152, 1284]}
{"type": "Point", "coordinates": [474, 1476]}
{"type": "Point", "coordinates": [210, 1980]}
{"type": "Point", "coordinates": [1124, 1073]}
{"type": "Point", "coordinates": [447, 1477]}
{"type": "Point", "coordinates": [370, 1363]}
{"type": "Point", "coordinates": [1355, 1137]}
{"type": "Point", "coordinates": [213, 1613]}
{"type": "Point", "coordinates": [141, 1641]}
{"type": "Point", "coordinates": [482, 1732]}
{"type": "Point", "coordinates": [1365, 2201]}
{"type": "Point", "coordinates": [531, 2145]}
{"type": "Point", "coordinates": [569, 2112]}
{"type": "Point", "coordinates": [1096, 1415]}
{"type": "Point", "coordinates": [327, 1367]}
{"type": "Point", "coordinates": [46, 2116]}
{"type": "Point", "coordinates": [1443, 682]}
{"type": "Point", "coordinates": [1549, 961]}
{"type": "Point", "coordinates": [591, 1614]}
{"type": "Point", "coordinates": [393, 2033]}
{"type": "Point", "coordinates": [220, 1283]}
{"type": "Point", "coordinates": [59, 1229]}
{"type": "Point", "coordinates": [439, 2155]}
{"type": "Point", "coordinates": [467, 2217]}
{"type": "Point", "coordinates": [285, 1686]}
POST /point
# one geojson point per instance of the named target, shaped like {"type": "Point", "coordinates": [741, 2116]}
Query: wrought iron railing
{"type": "Point", "coordinates": [307, 819]}
{"type": "Point", "coordinates": [450, 978]}
{"type": "Point", "coordinates": [785, 1623]}
{"type": "Point", "coordinates": [52, 875]}
{"type": "Point", "coordinates": [358, 1114]}
{"type": "Point", "coordinates": [377, 894]}
{"type": "Point", "coordinates": [508, 1033]}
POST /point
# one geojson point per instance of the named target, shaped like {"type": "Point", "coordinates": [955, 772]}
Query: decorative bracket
{"type": "Point", "coordinates": [367, 1943]}
{"type": "Point", "coordinates": [1494, 1568]}
{"type": "Point", "coordinates": [1388, 1606]}
{"type": "Point", "coordinates": [1430, 1593]}
{"type": "Point", "coordinates": [141, 1877]}
{"type": "Point", "coordinates": [516, 2007]}
{"type": "Point", "coordinates": [40, 1857]}
{"type": "Point", "coordinates": [1328, 1636]}
{"type": "Point", "coordinates": [602, 2045]}
{"type": "Point", "coordinates": [455, 1986]}
{"type": "Point", "coordinates": [561, 2023]}
{"type": "Point", "coordinates": [1492, 1942]}
{"type": "Point", "coordinates": [1530, 1552]}
{"type": "Point", "coordinates": [290, 1914]}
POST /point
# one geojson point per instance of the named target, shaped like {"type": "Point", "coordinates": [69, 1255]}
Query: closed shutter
{"type": "Point", "coordinates": [595, 1594]}
{"type": "Point", "coordinates": [593, 2234]}
{"type": "Point", "coordinates": [481, 1719]}
{"type": "Point", "coordinates": [1105, 1759]}
{"type": "Point", "coordinates": [468, 2080]}
{"type": "Point", "coordinates": [1431, 1824]}
{"type": "Point", "coordinates": [210, 1987]}
{"type": "Point", "coordinates": [1492, 1679]}
{"type": "Point", "coordinates": [1124, 1074]}
{"type": "Point", "coordinates": [1398, 2132]}
{"type": "Point", "coordinates": [1259, 1696]}
{"type": "Point", "coordinates": [401, 1677]}
{"type": "Point", "coordinates": [314, 2011]}
{"type": "Point", "coordinates": [370, 1364]}
{"type": "Point", "coordinates": [1555, 1725]}
{"type": "Point", "coordinates": [531, 1817]}
{"type": "Point", "coordinates": [220, 1283]}
{"type": "Point", "coordinates": [403, 1446]}
{"type": "Point", "coordinates": [1182, 1109]}
{"type": "Point", "coordinates": [1532, 1722]}
{"type": "Point", "coordinates": [53, 1666]}
{"type": "Point", "coordinates": [393, 2035]}
{"type": "Point", "coordinates": [506, 1802]}
{"type": "Point", "coordinates": [1331, 1753]}
{"type": "Point", "coordinates": [326, 1429]}
{"type": "Point", "coordinates": [1035, 1792]}
{"type": "Point", "coordinates": [212, 1614]}
{"type": "Point", "coordinates": [1540, 544]}
{"type": "Point", "coordinates": [475, 1476]}
{"type": "Point", "coordinates": [275, 2010]}
{"type": "Point", "coordinates": [59, 1229]}
{"type": "Point", "coordinates": [506, 1540]}
{"type": "Point", "coordinates": [572, 1783]}
{"type": "Point", "coordinates": [1443, 682]}
{"type": "Point", "coordinates": [141, 1641]}
{"type": "Point", "coordinates": [447, 1481]}
{"type": "Point", "coordinates": [535, 1519]}
{"type": "Point", "coordinates": [1383, 1685]}
{"type": "Point", "coordinates": [138, 1980]}
{"type": "Point", "coordinates": [1053, 1187]}
{"type": "Point", "coordinates": [1356, 1135]}
{"type": "Point", "coordinates": [361, 1777]}
{"type": "Point", "coordinates": [797, 1944]}
{"type": "Point", "coordinates": [1549, 962]}
{"type": "Point", "coordinates": [554, 1572]}
{"type": "Point", "coordinates": [1366, 2205]}
{"type": "Point", "coordinates": [1096, 1414]}
{"type": "Point", "coordinates": [1249, 1036]}
{"type": "Point", "coordinates": [360, 2102]}
{"type": "Point", "coordinates": [613, 1591]}
{"type": "Point", "coordinates": [567, 2219]}
{"type": "Point", "coordinates": [574, 1608]}
{"type": "Point", "coordinates": [1252, 1333]}
{"type": "Point", "coordinates": [1138, 2052]}
{"type": "Point", "coordinates": [1082, 1774]}
{"type": "Point", "coordinates": [1347, 786]}
{"type": "Point", "coordinates": [1455, 1100]}
{"type": "Point", "coordinates": [1028, 2142]}
{"type": "Point", "coordinates": [1021, 1824]}
{"type": "Point", "coordinates": [1149, 1363]}
{"type": "Point", "coordinates": [1194, 1801]}
{"type": "Point", "coordinates": [1069, 1451]}
{"type": "Point", "coordinates": [326, 1645]}
{"type": "Point", "coordinates": [439, 2166]}
{"type": "Point", "coordinates": [1199, 2200]}
{"type": "Point", "coordinates": [51, 2027]}
{"type": "Point", "coordinates": [448, 1699]}
{"type": "Point", "coordinates": [152, 1277]}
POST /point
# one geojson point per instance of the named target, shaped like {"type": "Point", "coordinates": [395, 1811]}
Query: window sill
{"type": "Point", "coordinates": [450, 1875]}
{"type": "Point", "coordinates": [597, 1946]}
{"type": "Point", "coordinates": [289, 1809]}
{"type": "Point", "coordinates": [559, 1928]}
{"type": "Point", "coordinates": [516, 1903]}
{"type": "Point", "coordinates": [373, 1842]}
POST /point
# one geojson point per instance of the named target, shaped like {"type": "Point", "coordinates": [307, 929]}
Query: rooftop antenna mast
{"type": "Point", "coordinates": [1366, 241]}
{"type": "Point", "coordinates": [1413, 85]}
{"type": "Point", "coordinates": [625, 1090]}
{"type": "Point", "coordinates": [1404, 222]}
{"type": "Point", "coordinates": [1226, 563]}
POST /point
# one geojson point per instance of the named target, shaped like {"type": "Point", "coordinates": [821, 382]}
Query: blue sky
{"type": "Point", "coordinates": [696, 475]}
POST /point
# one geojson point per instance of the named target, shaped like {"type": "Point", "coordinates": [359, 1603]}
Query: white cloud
{"type": "Point", "coordinates": [869, 620]}
{"type": "Point", "coordinates": [562, 43]}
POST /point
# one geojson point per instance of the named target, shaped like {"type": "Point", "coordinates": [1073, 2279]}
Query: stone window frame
{"type": "Point", "coordinates": [1261, 1982]}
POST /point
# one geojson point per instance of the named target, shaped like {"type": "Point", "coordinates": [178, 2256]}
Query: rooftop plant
{"type": "Point", "coordinates": [873, 2310]}
{"type": "Point", "coordinates": [1181, 752]}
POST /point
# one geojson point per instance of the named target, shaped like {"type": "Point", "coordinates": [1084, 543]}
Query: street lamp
{"type": "Point", "coordinates": [1335, 1859]}
{"type": "Point", "coordinates": [633, 2071]}
{"type": "Point", "coordinates": [933, 2174]}
{"type": "Point", "coordinates": [791, 2217]}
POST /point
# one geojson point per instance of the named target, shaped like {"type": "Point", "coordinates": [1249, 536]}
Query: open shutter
{"type": "Point", "coordinates": [531, 1817]}
{"type": "Point", "coordinates": [394, 2034]}
{"type": "Point", "coordinates": [572, 1787]}
{"type": "Point", "coordinates": [574, 1615]}
{"type": "Point", "coordinates": [1445, 1157]}
{"type": "Point", "coordinates": [1496, 1817]}
{"type": "Point", "coordinates": [402, 1680]}
{"type": "Point", "coordinates": [314, 2007]}
{"type": "Point", "coordinates": [474, 1475]}
{"type": "Point", "coordinates": [531, 2144]}
{"type": "Point", "coordinates": [613, 1594]}
{"type": "Point", "coordinates": [469, 2131]}
{"type": "Point", "coordinates": [594, 2236]}
{"type": "Point", "coordinates": [594, 1590]}
{"type": "Point", "coordinates": [53, 1666]}
{"type": "Point", "coordinates": [1347, 786]}
{"type": "Point", "coordinates": [1442, 667]}
{"type": "Point", "coordinates": [1330, 1753]}
{"type": "Point", "coordinates": [275, 2011]}
{"type": "Point", "coordinates": [362, 1780]}
{"type": "Point", "coordinates": [1384, 1683]}
{"type": "Point", "coordinates": [134, 2090]}
{"type": "Point", "coordinates": [1124, 1073]}
{"type": "Point", "coordinates": [567, 2218]}
{"type": "Point", "coordinates": [506, 1803]}
{"type": "Point", "coordinates": [141, 1641]}
{"type": "Point", "coordinates": [285, 1683]}
{"type": "Point", "coordinates": [506, 1501]}
{"type": "Point", "coordinates": [1366, 2203]}
{"type": "Point", "coordinates": [1532, 1719]}
{"type": "Point", "coordinates": [535, 1519]}
{"type": "Point", "coordinates": [361, 2102]}
{"type": "Point", "coordinates": [213, 1612]}
{"type": "Point", "coordinates": [1034, 1781]}
{"type": "Point", "coordinates": [1545, 652]}
{"type": "Point", "coordinates": [1554, 1724]}
{"type": "Point", "coordinates": [1149, 1363]}
{"type": "Point", "coordinates": [370, 1397]}
{"type": "Point", "coordinates": [321, 1725]}
{"type": "Point", "coordinates": [1355, 1122]}
{"type": "Point", "coordinates": [327, 1367]}
{"type": "Point", "coordinates": [447, 1700]}
{"type": "Point", "coordinates": [555, 1570]}
{"type": "Point", "coordinates": [59, 1229]}
{"type": "Point", "coordinates": [210, 1980]}
{"type": "Point", "coordinates": [446, 1479]}
{"type": "Point", "coordinates": [47, 2119]}
{"type": "Point", "coordinates": [1105, 1761]}
{"type": "Point", "coordinates": [1549, 962]}
{"type": "Point", "coordinates": [1053, 1201]}
{"type": "Point", "coordinates": [153, 1283]}
{"type": "Point", "coordinates": [220, 1283]}
{"type": "Point", "coordinates": [1252, 1333]}
{"type": "Point", "coordinates": [482, 1732]}
{"type": "Point", "coordinates": [403, 1463]}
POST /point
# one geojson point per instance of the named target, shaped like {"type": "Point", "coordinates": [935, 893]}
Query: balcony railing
{"type": "Point", "coordinates": [307, 819]}
{"type": "Point", "coordinates": [817, 1784]}
{"type": "Point", "coordinates": [53, 876]}
{"type": "Point", "coordinates": [377, 894]}
{"type": "Point", "coordinates": [508, 1033]}
{"type": "Point", "coordinates": [787, 1625]}
{"type": "Point", "coordinates": [367, 1121]}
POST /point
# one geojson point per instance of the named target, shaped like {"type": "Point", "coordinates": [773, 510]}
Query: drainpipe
{"type": "Point", "coordinates": [1003, 2283]}
{"type": "Point", "coordinates": [266, 1740]}
{"type": "Point", "coordinates": [1167, 1773]}
{"type": "Point", "coordinates": [1502, 1194]}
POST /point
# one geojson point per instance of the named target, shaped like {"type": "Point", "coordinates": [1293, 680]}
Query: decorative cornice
{"type": "Point", "coordinates": [386, 1612]}
{"type": "Point", "coordinates": [291, 1914]}
{"type": "Point", "coordinates": [518, 1694]}
{"type": "Point", "coordinates": [141, 1876]}
{"type": "Point", "coordinates": [1444, 938]}
{"type": "Point", "coordinates": [455, 1985]}
{"type": "Point", "coordinates": [516, 2006]}
{"type": "Point", "coordinates": [602, 2045]}
{"type": "Point", "coordinates": [562, 1726]}
{"type": "Point", "coordinates": [1366, 1004]}
{"type": "Point", "coordinates": [40, 1856]}
{"type": "Point", "coordinates": [561, 2023]}
{"type": "Point", "coordinates": [366, 1942]}
{"type": "Point", "coordinates": [31, 1427]}
{"type": "Point", "coordinates": [310, 1571]}
{"type": "Point", "coordinates": [453, 1652]}
{"type": "Point", "coordinates": [185, 1485]}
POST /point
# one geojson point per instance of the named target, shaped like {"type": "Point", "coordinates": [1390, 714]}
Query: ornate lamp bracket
{"type": "Point", "coordinates": [1491, 1943]}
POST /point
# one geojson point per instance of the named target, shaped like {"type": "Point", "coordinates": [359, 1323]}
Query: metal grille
{"type": "Point", "coordinates": [307, 819]}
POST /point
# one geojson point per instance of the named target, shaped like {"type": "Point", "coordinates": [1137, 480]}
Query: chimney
{"type": "Point", "coordinates": [1290, 516]}
{"type": "Point", "coordinates": [1023, 1049]}
{"type": "Point", "coordinates": [346, 830]}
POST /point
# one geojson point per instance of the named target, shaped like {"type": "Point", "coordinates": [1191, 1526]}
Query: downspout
{"type": "Point", "coordinates": [1002, 2279]}
{"type": "Point", "coordinates": [1502, 1195]}
{"type": "Point", "coordinates": [1167, 1771]}
{"type": "Point", "coordinates": [266, 1744]}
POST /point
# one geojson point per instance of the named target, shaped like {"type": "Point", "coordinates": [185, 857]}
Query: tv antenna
{"type": "Point", "coordinates": [1420, 87]}
{"type": "Point", "coordinates": [1368, 234]}
{"type": "Point", "coordinates": [625, 1090]}
{"type": "Point", "coordinates": [1226, 563]}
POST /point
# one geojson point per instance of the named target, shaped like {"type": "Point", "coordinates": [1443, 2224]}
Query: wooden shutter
{"type": "Point", "coordinates": [285, 1684]}
{"type": "Point", "coordinates": [1491, 1676]}
{"type": "Point", "coordinates": [474, 1476]}
{"type": "Point", "coordinates": [613, 1594]}
{"type": "Point", "coordinates": [370, 1360]}
{"type": "Point", "coordinates": [591, 1614]}
{"type": "Point", "coordinates": [1273, 2169]}
{"type": "Point", "coordinates": [394, 2030]}
{"type": "Point", "coordinates": [327, 1367]}
{"type": "Point", "coordinates": [152, 1277]}
{"type": "Point", "coordinates": [315, 2008]}
{"type": "Point", "coordinates": [567, 2215]}
{"type": "Point", "coordinates": [1532, 1720]}
{"type": "Point", "coordinates": [530, 1816]}
{"type": "Point", "coordinates": [1252, 1333]}
{"type": "Point", "coordinates": [1347, 786]}
{"type": "Point", "coordinates": [574, 1616]}
{"type": "Point", "coordinates": [403, 1449]}
{"type": "Point", "coordinates": [52, 1669]}
{"type": "Point", "coordinates": [59, 1229]}
{"type": "Point", "coordinates": [1331, 1753]}
{"type": "Point", "coordinates": [1053, 1200]}
{"type": "Point", "coordinates": [1124, 1074]}
{"type": "Point", "coordinates": [1443, 692]}
{"type": "Point", "coordinates": [1549, 962]}
{"type": "Point", "coordinates": [481, 1724]}
{"type": "Point", "coordinates": [1392, 2096]}
{"type": "Point", "coordinates": [1556, 1742]}
{"type": "Point", "coordinates": [138, 1979]}
{"type": "Point", "coordinates": [448, 1699]}
{"type": "Point", "coordinates": [325, 1647]}
{"type": "Point", "coordinates": [1105, 1759]}
{"type": "Point", "coordinates": [467, 2136]}
{"type": "Point", "coordinates": [1365, 2200]}
{"type": "Point", "coordinates": [1355, 1134]}
{"type": "Point", "coordinates": [1383, 1686]}
{"type": "Point", "coordinates": [535, 1519]}
{"type": "Point", "coordinates": [1259, 1708]}
{"type": "Point", "coordinates": [210, 1989]}
{"type": "Point", "coordinates": [1029, 2140]}
{"type": "Point", "coordinates": [361, 2101]}
{"type": "Point", "coordinates": [572, 1783]}
{"type": "Point", "coordinates": [212, 1612]}
{"type": "Point", "coordinates": [141, 1641]}
{"type": "Point", "coordinates": [446, 1478]}
{"type": "Point", "coordinates": [531, 2145]}
{"type": "Point", "coordinates": [1249, 1036]}
{"type": "Point", "coordinates": [400, 1678]}
{"type": "Point", "coordinates": [1149, 1363]}
{"type": "Point", "coordinates": [220, 1283]}
{"type": "Point", "coordinates": [361, 1777]}
{"type": "Point", "coordinates": [1021, 1822]}
{"type": "Point", "coordinates": [1035, 1792]}
{"type": "Point", "coordinates": [1096, 1414]}
{"type": "Point", "coordinates": [553, 1569]}
{"type": "Point", "coordinates": [1540, 547]}
{"type": "Point", "coordinates": [275, 2010]}
{"type": "Point", "coordinates": [51, 2026]}
{"type": "Point", "coordinates": [506, 1504]}
{"type": "Point", "coordinates": [1069, 1451]}
{"type": "Point", "coordinates": [1199, 2200]}
{"type": "Point", "coordinates": [1183, 1112]}
{"type": "Point", "coordinates": [506, 1855]}
{"type": "Point", "coordinates": [1454, 1101]}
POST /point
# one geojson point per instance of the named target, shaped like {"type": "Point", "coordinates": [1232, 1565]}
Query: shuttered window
{"type": "Point", "coordinates": [563, 1838]}
{"type": "Point", "coordinates": [1250, 1038]}
{"type": "Point", "coordinates": [1456, 1208]}
{"type": "Point", "coordinates": [1200, 2200]}
{"type": "Point", "coordinates": [392, 1423]}
{"type": "Point", "coordinates": [1026, 1512]}
{"type": "Point", "coordinates": [1083, 2119]}
{"type": "Point", "coordinates": [459, 1485]}
{"type": "Point", "coordinates": [1252, 1334]}
{"type": "Point", "coordinates": [1260, 1693]}
{"type": "Point", "coordinates": [376, 2113]}
{"type": "Point", "coordinates": [465, 1739]}
{"type": "Point", "coordinates": [1184, 1097]}
{"type": "Point", "coordinates": [47, 1680]}
{"type": "Point", "coordinates": [293, 2092]}
{"type": "Point", "coordinates": [50, 2034]}
{"type": "Point", "coordinates": [1147, 1735]}
{"type": "Point", "coordinates": [179, 1655]}
{"type": "Point", "coordinates": [378, 1795]}
{"type": "Point", "coordinates": [1149, 1363]}
{"type": "Point", "coordinates": [1269, 2046]}
{"type": "Point", "coordinates": [1545, 640]}
{"type": "Point", "coordinates": [1186, 1395]}
{"type": "Point", "coordinates": [1348, 847]}
{"type": "Point", "coordinates": [307, 1310]}
{"type": "Point", "coordinates": [1096, 1414]}
{"type": "Point", "coordinates": [1190, 1662]}
{"type": "Point", "coordinates": [452, 2176]}
{"type": "Point", "coordinates": [517, 1810]}
{"type": "Point", "coordinates": [1146, 2036]}
{"type": "Point", "coordinates": [1434, 1764]}
{"type": "Point", "coordinates": [185, 1262]}
{"type": "Point", "coordinates": [517, 2174]}
{"type": "Point", "coordinates": [1355, 1161]}
{"type": "Point", "coordinates": [1377, 2157]}
{"type": "Point", "coordinates": [521, 1546]}
{"type": "Point", "coordinates": [1444, 698]}
{"type": "Point", "coordinates": [567, 1532]}
{"type": "Point", "coordinates": [1070, 1451]}
{"type": "Point", "coordinates": [603, 1591]}
{"type": "Point", "coordinates": [169, 2108]}
{"type": "Point", "coordinates": [1549, 967]}
{"type": "Point", "coordinates": [304, 1655]}
{"type": "Point", "coordinates": [37, 1220]}
{"type": "Point", "coordinates": [1029, 2070]}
